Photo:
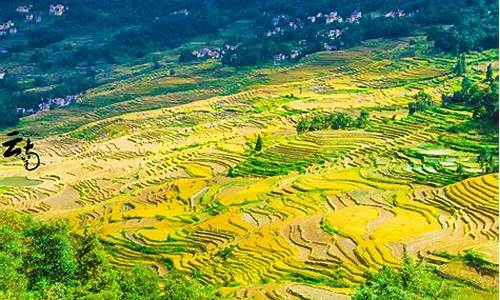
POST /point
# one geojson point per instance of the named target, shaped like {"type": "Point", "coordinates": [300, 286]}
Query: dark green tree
{"type": "Point", "coordinates": [362, 120]}
{"type": "Point", "coordinates": [140, 283]}
{"type": "Point", "coordinates": [422, 102]}
{"type": "Point", "coordinates": [489, 73]}
{"type": "Point", "coordinates": [302, 126]}
{"type": "Point", "coordinates": [51, 258]}
{"type": "Point", "coordinates": [258, 144]}
{"type": "Point", "coordinates": [181, 287]}
{"type": "Point", "coordinates": [461, 66]}
{"type": "Point", "coordinates": [487, 161]}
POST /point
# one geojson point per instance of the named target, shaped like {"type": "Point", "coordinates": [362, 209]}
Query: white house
{"type": "Point", "coordinates": [57, 10]}
{"type": "Point", "coordinates": [24, 9]}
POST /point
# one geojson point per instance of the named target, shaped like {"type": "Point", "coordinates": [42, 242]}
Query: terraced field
{"type": "Point", "coordinates": [176, 183]}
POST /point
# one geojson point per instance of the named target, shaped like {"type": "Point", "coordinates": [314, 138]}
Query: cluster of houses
{"type": "Point", "coordinates": [395, 14]}
{"type": "Point", "coordinates": [182, 12]}
{"type": "Point", "coordinates": [288, 25]}
{"type": "Point", "coordinates": [282, 57]}
{"type": "Point", "coordinates": [48, 105]}
{"type": "Point", "coordinates": [335, 17]}
{"type": "Point", "coordinates": [208, 53]}
{"type": "Point", "coordinates": [7, 28]}
{"type": "Point", "coordinates": [29, 15]}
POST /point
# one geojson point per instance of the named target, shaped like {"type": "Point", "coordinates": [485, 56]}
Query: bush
{"type": "Point", "coordinates": [42, 260]}
{"type": "Point", "coordinates": [411, 281]}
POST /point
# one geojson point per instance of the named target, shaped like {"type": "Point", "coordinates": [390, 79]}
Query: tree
{"type": "Point", "coordinates": [460, 67]}
{"type": "Point", "coordinates": [180, 287]}
{"type": "Point", "coordinates": [258, 144]}
{"type": "Point", "coordinates": [487, 162]}
{"type": "Point", "coordinates": [97, 277]}
{"type": "Point", "coordinates": [412, 281]}
{"type": "Point", "coordinates": [302, 126]}
{"type": "Point", "coordinates": [362, 120]}
{"type": "Point", "coordinates": [422, 102]}
{"type": "Point", "coordinates": [489, 73]}
{"type": "Point", "coordinates": [140, 283]}
{"type": "Point", "coordinates": [12, 280]}
{"type": "Point", "coordinates": [474, 258]}
{"type": "Point", "coordinates": [186, 56]}
{"type": "Point", "coordinates": [51, 258]}
{"type": "Point", "coordinates": [460, 169]}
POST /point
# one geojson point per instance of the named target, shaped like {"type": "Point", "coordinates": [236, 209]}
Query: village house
{"type": "Point", "coordinates": [333, 17]}
{"type": "Point", "coordinates": [56, 102]}
{"type": "Point", "coordinates": [276, 20]}
{"type": "Point", "coordinates": [228, 48]}
{"type": "Point", "coordinates": [275, 31]}
{"type": "Point", "coordinates": [279, 57]}
{"type": "Point", "coordinates": [7, 25]}
{"type": "Point", "coordinates": [313, 19]}
{"type": "Point", "coordinates": [29, 17]}
{"type": "Point", "coordinates": [293, 25]}
{"type": "Point", "coordinates": [355, 17]}
{"type": "Point", "coordinates": [24, 9]}
{"type": "Point", "coordinates": [2, 74]}
{"type": "Point", "coordinates": [328, 47]}
{"type": "Point", "coordinates": [294, 54]}
{"type": "Point", "coordinates": [394, 14]}
{"type": "Point", "coordinates": [13, 30]}
{"type": "Point", "coordinates": [183, 12]}
{"type": "Point", "coordinates": [57, 10]}
{"type": "Point", "coordinates": [334, 33]}
{"type": "Point", "coordinates": [208, 53]}
{"type": "Point", "coordinates": [43, 106]}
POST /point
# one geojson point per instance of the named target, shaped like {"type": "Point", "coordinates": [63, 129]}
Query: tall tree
{"type": "Point", "coordinates": [461, 66]}
{"type": "Point", "coordinates": [489, 73]}
{"type": "Point", "coordinates": [258, 144]}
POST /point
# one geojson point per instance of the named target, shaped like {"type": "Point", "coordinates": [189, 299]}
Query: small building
{"type": "Point", "coordinates": [355, 17]}
{"type": "Point", "coordinates": [183, 12]}
{"type": "Point", "coordinates": [7, 25]}
{"type": "Point", "coordinates": [334, 33]}
{"type": "Point", "coordinates": [2, 74]}
{"type": "Point", "coordinates": [294, 54]}
{"type": "Point", "coordinates": [395, 14]}
{"type": "Point", "coordinates": [57, 10]}
{"type": "Point", "coordinates": [24, 9]}
{"type": "Point", "coordinates": [333, 17]}
{"type": "Point", "coordinates": [279, 57]}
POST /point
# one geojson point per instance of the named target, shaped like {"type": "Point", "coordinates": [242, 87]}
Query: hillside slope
{"type": "Point", "coordinates": [163, 166]}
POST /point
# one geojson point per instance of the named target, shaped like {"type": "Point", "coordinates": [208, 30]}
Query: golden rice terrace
{"type": "Point", "coordinates": [173, 181]}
